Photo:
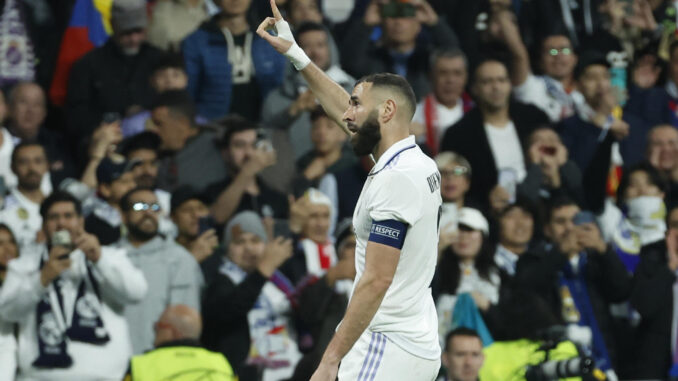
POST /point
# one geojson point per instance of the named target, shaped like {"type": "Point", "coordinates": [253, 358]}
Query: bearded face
{"type": "Point", "coordinates": [368, 135]}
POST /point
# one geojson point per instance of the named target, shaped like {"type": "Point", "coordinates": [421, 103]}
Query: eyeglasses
{"type": "Point", "coordinates": [142, 206]}
{"type": "Point", "coordinates": [456, 171]}
{"type": "Point", "coordinates": [564, 51]}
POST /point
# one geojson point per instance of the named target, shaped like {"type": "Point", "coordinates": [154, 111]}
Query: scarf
{"type": "Point", "coordinates": [17, 59]}
{"type": "Point", "coordinates": [431, 119]}
{"type": "Point", "coordinates": [55, 329]}
{"type": "Point", "coordinates": [271, 346]}
{"type": "Point", "coordinates": [577, 308]}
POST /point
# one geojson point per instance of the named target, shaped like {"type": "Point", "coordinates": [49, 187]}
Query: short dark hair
{"type": "Point", "coordinates": [125, 203]}
{"type": "Point", "coordinates": [461, 331]}
{"type": "Point", "coordinates": [393, 82]}
{"type": "Point", "coordinates": [22, 145]}
{"type": "Point", "coordinates": [179, 103]}
{"type": "Point", "coordinates": [448, 53]}
{"type": "Point", "coordinates": [59, 196]}
{"type": "Point", "coordinates": [310, 27]}
{"type": "Point", "coordinates": [653, 174]}
{"type": "Point", "coordinates": [557, 203]}
{"type": "Point", "coordinates": [317, 113]}
{"type": "Point", "coordinates": [231, 125]}
{"type": "Point", "coordinates": [145, 140]}
{"type": "Point", "coordinates": [482, 62]}
{"type": "Point", "coordinates": [543, 39]}
{"type": "Point", "coordinates": [169, 61]}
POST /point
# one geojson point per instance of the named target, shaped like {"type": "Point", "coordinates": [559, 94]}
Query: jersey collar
{"type": "Point", "coordinates": [392, 152]}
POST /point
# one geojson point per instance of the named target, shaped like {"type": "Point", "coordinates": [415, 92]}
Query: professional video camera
{"type": "Point", "coordinates": [556, 369]}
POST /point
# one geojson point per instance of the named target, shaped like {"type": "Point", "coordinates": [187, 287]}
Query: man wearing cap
{"type": "Point", "coordinates": [113, 78]}
{"type": "Point", "coordinates": [172, 273]}
{"type": "Point", "coordinates": [245, 309]}
{"type": "Point", "coordinates": [114, 180]}
{"type": "Point", "coordinates": [196, 232]}
{"type": "Point", "coordinates": [22, 207]}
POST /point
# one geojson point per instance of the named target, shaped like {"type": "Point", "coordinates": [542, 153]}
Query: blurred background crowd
{"type": "Point", "coordinates": [173, 199]}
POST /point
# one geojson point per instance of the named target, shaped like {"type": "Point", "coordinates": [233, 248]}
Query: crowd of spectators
{"type": "Point", "coordinates": [190, 194]}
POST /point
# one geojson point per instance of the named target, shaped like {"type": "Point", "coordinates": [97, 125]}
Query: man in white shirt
{"type": "Point", "coordinates": [67, 298]}
{"type": "Point", "coordinates": [22, 207]}
{"type": "Point", "coordinates": [447, 103]}
{"type": "Point", "coordinates": [552, 92]}
{"type": "Point", "coordinates": [390, 327]}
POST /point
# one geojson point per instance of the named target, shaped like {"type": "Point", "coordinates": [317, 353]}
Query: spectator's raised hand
{"type": "Point", "coordinates": [204, 245]}
{"type": "Point", "coordinates": [316, 169]}
{"type": "Point", "coordinates": [299, 212]}
{"type": "Point", "coordinates": [373, 13]}
{"type": "Point", "coordinates": [104, 139]}
{"type": "Point", "coordinates": [259, 160]}
{"type": "Point", "coordinates": [58, 262]}
{"type": "Point", "coordinates": [305, 102]}
{"type": "Point", "coordinates": [276, 253]}
{"type": "Point", "coordinates": [589, 237]}
{"type": "Point", "coordinates": [641, 16]}
{"type": "Point", "coordinates": [89, 244]}
{"type": "Point", "coordinates": [620, 129]}
{"type": "Point", "coordinates": [425, 13]}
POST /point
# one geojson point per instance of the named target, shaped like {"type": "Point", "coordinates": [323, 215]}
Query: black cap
{"type": "Point", "coordinates": [588, 58]}
{"type": "Point", "coordinates": [110, 169]}
{"type": "Point", "coordinates": [185, 193]}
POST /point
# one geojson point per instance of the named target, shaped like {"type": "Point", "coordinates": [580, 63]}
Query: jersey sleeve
{"type": "Point", "coordinates": [394, 196]}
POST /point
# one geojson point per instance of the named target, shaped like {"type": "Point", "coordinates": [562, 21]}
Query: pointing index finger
{"type": "Point", "coordinates": [276, 12]}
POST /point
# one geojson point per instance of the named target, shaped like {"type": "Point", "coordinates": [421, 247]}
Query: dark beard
{"type": "Point", "coordinates": [367, 137]}
{"type": "Point", "coordinates": [141, 235]}
{"type": "Point", "coordinates": [145, 181]}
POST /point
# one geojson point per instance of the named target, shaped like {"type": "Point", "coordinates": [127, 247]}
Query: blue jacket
{"type": "Point", "coordinates": [209, 72]}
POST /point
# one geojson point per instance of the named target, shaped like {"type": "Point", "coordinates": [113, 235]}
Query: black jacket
{"type": "Point", "coordinates": [226, 330]}
{"type": "Point", "coordinates": [105, 80]}
{"type": "Point", "coordinates": [606, 279]}
{"type": "Point", "coordinates": [468, 138]}
{"type": "Point", "coordinates": [652, 297]}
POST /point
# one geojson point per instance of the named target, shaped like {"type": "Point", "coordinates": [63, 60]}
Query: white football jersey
{"type": "Point", "coordinates": [404, 186]}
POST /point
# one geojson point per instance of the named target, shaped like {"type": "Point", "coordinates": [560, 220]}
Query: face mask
{"type": "Point", "coordinates": [647, 214]}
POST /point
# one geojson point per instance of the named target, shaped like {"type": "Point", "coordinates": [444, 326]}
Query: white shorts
{"type": "Point", "coordinates": [375, 358]}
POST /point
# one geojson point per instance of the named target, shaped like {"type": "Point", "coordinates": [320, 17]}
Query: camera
{"type": "Point", "coordinates": [557, 369]}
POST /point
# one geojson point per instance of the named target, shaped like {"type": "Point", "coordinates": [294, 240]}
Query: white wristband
{"type": "Point", "coordinates": [298, 57]}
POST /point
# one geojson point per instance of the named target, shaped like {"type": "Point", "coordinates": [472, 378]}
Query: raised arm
{"type": "Point", "coordinates": [508, 31]}
{"type": "Point", "coordinates": [330, 94]}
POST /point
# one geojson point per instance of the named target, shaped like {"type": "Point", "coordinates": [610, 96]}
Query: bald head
{"type": "Point", "coordinates": [662, 147]}
{"type": "Point", "coordinates": [178, 322]}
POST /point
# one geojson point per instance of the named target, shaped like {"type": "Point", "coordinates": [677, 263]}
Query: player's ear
{"type": "Point", "coordinates": [387, 110]}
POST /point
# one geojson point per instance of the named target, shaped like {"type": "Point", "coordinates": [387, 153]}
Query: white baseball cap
{"type": "Point", "coordinates": [474, 219]}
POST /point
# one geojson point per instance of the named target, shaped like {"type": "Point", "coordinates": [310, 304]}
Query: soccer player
{"type": "Point", "coordinates": [389, 331]}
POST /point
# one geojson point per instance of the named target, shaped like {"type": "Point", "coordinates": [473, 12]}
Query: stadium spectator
{"type": "Point", "coordinates": [246, 155]}
{"type": "Point", "coordinates": [190, 213]}
{"type": "Point", "coordinates": [86, 336]}
{"type": "Point", "coordinates": [447, 103]}
{"type": "Point", "coordinates": [653, 296]}
{"type": "Point", "coordinates": [114, 180]}
{"type": "Point", "coordinates": [400, 50]}
{"type": "Point", "coordinates": [550, 173]}
{"type": "Point", "coordinates": [9, 250]}
{"type": "Point", "coordinates": [328, 155]}
{"type": "Point", "coordinates": [172, 273]}
{"type": "Point", "coordinates": [463, 356]}
{"type": "Point", "coordinates": [245, 308]}
{"type": "Point", "coordinates": [113, 78]}
{"type": "Point", "coordinates": [191, 155]}
{"type": "Point", "coordinates": [578, 277]}
{"type": "Point", "coordinates": [516, 230]}
{"type": "Point", "coordinates": [178, 352]}
{"type": "Point", "coordinates": [662, 154]}
{"type": "Point", "coordinates": [27, 111]}
{"type": "Point", "coordinates": [230, 68]}
{"type": "Point", "coordinates": [491, 136]}
{"type": "Point", "coordinates": [466, 267]}
{"type": "Point", "coordinates": [552, 92]}
{"type": "Point", "coordinates": [22, 207]}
